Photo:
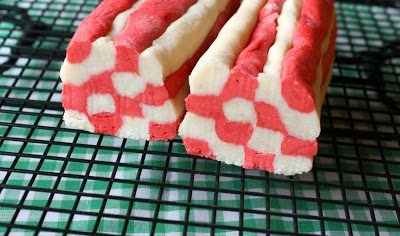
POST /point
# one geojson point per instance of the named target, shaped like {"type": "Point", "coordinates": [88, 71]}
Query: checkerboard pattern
{"type": "Point", "coordinates": [55, 180]}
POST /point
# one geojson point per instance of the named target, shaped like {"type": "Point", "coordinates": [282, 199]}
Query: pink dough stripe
{"type": "Point", "coordinates": [250, 62]}
{"type": "Point", "coordinates": [93, 28]}
{"type": "Point", "coordinates": [198, 147]}
{"type": "Point", "coordinates": [256, 160]}
{"type": "Point", "coordinates": [252, 59]}
{"type": "Point", "coordinates": [177, 80]}
{"type": "Point", "coordinates": [158, 131]}
{"type": "Point", "coordinates": [301, 62]}
{"type": "Point", "coordinates": [292, 146]}
{"type": "Point", "coordinates": [145, 25]}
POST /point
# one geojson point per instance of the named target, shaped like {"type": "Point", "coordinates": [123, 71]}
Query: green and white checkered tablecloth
{"type": "Point", "coordinates": [55, 180]}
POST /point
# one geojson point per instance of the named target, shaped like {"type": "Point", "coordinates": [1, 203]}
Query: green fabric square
{"type": "Point", "coordinates": [121, 189]}
{"type": "Point", "coordinates": [203, 197]}
{"type": "Point", "coordinates": [172, 212]}
{"type": "Point", "coordinates": [6, 117]}
{"type": "Point", "coordinates": [172, 228]}
{"type": "Point", "coordinates": [107, 155]}
{"type": "Point", "coordinates": [147, 192]}
{"type": "Point", "coordinates": [280, 223]}
{"type": "Point", "coordinates": [11, 196]}
{"type": "Point", "coordinates": [126, 173]}
{"type": "Point", "coordinates": [83, 223]}
{"type": "Point", "coordinates": [42, 134]}
{"type": "Point", "coordinates": [26, 163]}
{"type": "Point", "coordinates": [280, 205]}
{"type": "Point", "coordinates": [88, 139]}
{"type": "Point", "coordinates": [19, 94]}
{"type": "Point", "coordinates": [204, 181]}
{"type": "Point", "coordinates": [55, 220]}
{"type": "Point", "coordinates": [388, 230]}
{"type": "Point", "coordinates": [35, 148]}
{"type": "Point", "coordinates": [158, 146]}
{"type": "Point", "coordinates": [278, 187]}
{"type": "Point", "coordinates": [230, 218]}
{"type": "Point", "coordinates": [6, 161]}
{"type": "Point", "coordinates": [110, 141]}
{"type": "Point", "coordinates": [333, 210]}
{"type": "Point", "coordinates": [135, 227]}
{"type": "Point", "coordinates": [65, 136]}
{"type": "Point", "coordinates": [6, 214]}
{"type": "Point", "coordinates": [26, 119]}
{"type": "Point", "coordinates": [82, 153]}
{"type": "Point", "coordinates": [252, 202]}
{"type": "Point", "coordinates": [70, 184]}
{"type": "Point", "coordinates": [179, 178]}
{"type": "Point", "coordinates": [44, 181]}
{"type": "Point", "coordinates": [386, 216]}
{"type": "Point", "coordinates": [111, 226]}
{"type": "Point", "coordinates": [200, 215]}
{"type": "Point", "coordinates": [51, 166]}
{"type": "Point", "coordinates": [135, 144]}
{"type": "Point", "coordinates": [155, 160]}
{"type": "Point", "coordinates": [231, 169]}
{"type": "Point", "coordinates": [309, 226]}
{"type": "Point", "coordinates": [11, 146]}
{"type": "Point", "coordinates": [29, 217]}
{"type": "Point", "coordinates": [307, 207]}
{"type": "Point", "coordinates": [19, 179]}
{"type": "Point", "coordinates": [377, 182]}
{"type": "Point", "coordinates": [100, 170]}
{"type": "Point", "coordinates": [334, 227]}
{"type": "Point", "coordinates": [254, 185]}
{"type": "Point", "coordinates": [255, 221]}
{"type": "Point", "coordinates": [229, 183]}
{"type": "Point", "coordinates": [131, 158]}
{"type": "Point", "coordinates": [199, 230]}
{"type": "Point", "coordinates": [19, 132]}
{"type": "Point", "coordinates": [35, 198]}
{"type": "Point", "coordinates": [183, 163]}
{"type": "Point", "coordinates": [3, 129]}
{"type": "Point", "coordinates": [48, 121]}
{"type": "Point", "coordinates": [89, 204]}
{"type": "Point", "coordinates": [96, 186]}
{"type": "Point", "coordinates": [19, 231]}
{"type": "Point", "coordinates": [77, 168]}
{"type": "Point", "coordinates": [151, 175]}
{"type": "Point", "coordinates": [229, 200]}
{"type": "Point", "coordinates": [58, 150]}
{"type": "Point", "coordinates": [143, 209]}
{"type": "Point", "coordinates": [178, 148]}
{"type": "Point", "coordinates": [116, 207]}
{"type": "Point", "coordinates": [203, 164]}
{"type": "Point", "coordinates": [63, 201]}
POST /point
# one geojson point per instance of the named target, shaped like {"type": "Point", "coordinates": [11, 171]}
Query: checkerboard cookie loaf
{"type": "Point", "coordinates": [256, 94]}
{"type": "Point", "coordinates": [127, 66]}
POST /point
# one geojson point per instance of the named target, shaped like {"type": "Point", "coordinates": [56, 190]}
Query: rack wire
{"type": "Point", "coordinates": [62, 181]}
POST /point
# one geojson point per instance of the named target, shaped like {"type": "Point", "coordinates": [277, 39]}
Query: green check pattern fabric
{"type": "Point", "coordinates": [56, 181]}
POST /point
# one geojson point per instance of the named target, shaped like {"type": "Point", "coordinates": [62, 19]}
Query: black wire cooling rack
{"type": "Point", "coordinates": [62, 181]}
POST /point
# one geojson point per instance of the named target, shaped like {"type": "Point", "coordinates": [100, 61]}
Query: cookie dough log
{"type": "Point", "coordinates": [127, 66]}
{"type": "Point", "coordinates": [256, 94]}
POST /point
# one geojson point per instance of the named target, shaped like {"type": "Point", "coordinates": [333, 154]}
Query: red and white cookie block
{"type": "Point", "coordinates": [256, 94]}
{"type": "Point", "coordinates": [127, 66]}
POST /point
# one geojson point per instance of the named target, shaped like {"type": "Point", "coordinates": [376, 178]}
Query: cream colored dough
{"type": "Point", "coordinates": [211, 72]}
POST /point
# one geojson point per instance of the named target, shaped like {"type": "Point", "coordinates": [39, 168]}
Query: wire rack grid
{"type": "Point", "coordinates": [54, 180]}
